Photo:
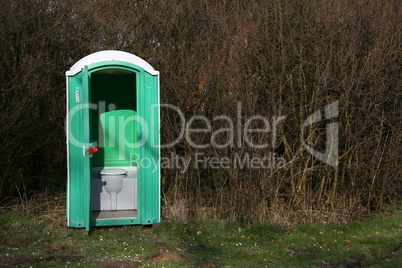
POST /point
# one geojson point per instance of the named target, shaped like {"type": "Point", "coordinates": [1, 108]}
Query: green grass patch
{"type": "Point", "coordinates": [44, 241]}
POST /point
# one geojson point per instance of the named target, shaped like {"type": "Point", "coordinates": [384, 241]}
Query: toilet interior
{"type": "Point", "coordinates": [114, 132]}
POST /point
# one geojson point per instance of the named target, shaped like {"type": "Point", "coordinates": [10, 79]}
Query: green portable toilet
{"type": "Point", "coordinates": [112, 129]}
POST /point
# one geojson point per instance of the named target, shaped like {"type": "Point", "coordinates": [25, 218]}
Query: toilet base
{"type": "Point", "coordinates": [126, 199]}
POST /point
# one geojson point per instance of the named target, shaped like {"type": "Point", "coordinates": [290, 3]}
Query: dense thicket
{"type": "Point", "coordinates": [271, 58]}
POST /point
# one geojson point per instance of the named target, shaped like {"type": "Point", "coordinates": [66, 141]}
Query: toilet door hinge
{"type": "Point", "coordinates": [77, 96]}
{"type": "Point", "coordinates": [85, 150]}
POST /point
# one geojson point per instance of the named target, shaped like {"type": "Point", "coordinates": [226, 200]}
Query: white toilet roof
{"type": "Point", "coordinates": [113, 171]}
{"type": "Point", "coordinates": [111, 55]}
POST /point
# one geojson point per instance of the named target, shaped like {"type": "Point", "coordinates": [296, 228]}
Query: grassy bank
{"type": "Point", "coordinates": [36, 235]}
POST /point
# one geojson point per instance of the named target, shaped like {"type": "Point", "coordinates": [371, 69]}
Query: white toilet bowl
{"type": "Point", "coordinates": [113, 177]}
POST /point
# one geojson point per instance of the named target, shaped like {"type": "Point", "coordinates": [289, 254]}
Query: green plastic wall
{"type": "Point", "coordinates": [114, 151]}
{"type": "Point", "coordinates": [116, 92]}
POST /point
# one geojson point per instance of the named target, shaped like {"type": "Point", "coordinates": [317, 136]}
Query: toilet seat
{"type": "Point", "coordinates": [113, 171]}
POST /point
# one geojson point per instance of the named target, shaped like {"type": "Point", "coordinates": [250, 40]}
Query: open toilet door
{"type": "Point", "coordinates": [86, 147]}
{"type": "Point", "coordinates": [79, 153]}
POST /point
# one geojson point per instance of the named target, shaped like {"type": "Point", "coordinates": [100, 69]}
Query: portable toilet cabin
{"type": "Point", "coordinates": [113, 153]}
